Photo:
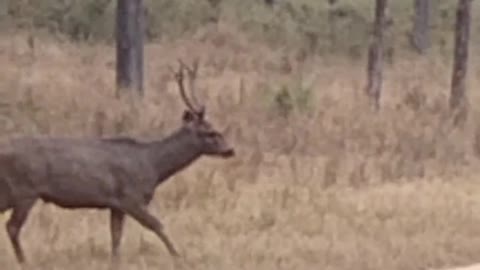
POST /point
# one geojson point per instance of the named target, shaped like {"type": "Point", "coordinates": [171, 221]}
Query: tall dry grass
{"type": "Point", "coordinates": [320, 180]}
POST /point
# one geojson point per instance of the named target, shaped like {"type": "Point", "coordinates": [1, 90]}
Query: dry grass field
{"type": "Point", "coordinates": [319, 180]}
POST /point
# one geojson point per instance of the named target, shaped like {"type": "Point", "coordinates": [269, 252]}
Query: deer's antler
{"type": "Point", "coordinates": [192, 76]}
{"type": "Point", "coordinates": [179, 76]}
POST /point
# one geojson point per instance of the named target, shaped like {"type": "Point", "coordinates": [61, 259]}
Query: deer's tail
{"type": "Point", "coordinates": [5, 195]}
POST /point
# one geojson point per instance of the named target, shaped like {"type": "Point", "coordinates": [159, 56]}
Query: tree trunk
{"type": "Point", "coordinates": [462, 36]}
{"type": "Point", "coordinates": [129, 38]}
{"type": "Point", "coordinates": [375, 54]}
{"type": "Point", "coordinates": [332, 22]}
{"type": "Point", "coordinates": [420, 37]}
{"type": "Point", "coordinates": [270, 3]}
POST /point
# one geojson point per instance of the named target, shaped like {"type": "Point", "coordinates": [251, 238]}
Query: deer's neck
{"type": "Point", "coordinates": [173, 154]}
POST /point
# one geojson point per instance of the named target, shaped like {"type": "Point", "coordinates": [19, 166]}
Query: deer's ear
{"type": "Point", "coordinates": [188, 116]}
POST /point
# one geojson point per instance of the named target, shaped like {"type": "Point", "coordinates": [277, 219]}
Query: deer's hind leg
{"type": "Point", "coordinates": [19, 215]}
{"type": "Point", "coordinates": [116, 229]}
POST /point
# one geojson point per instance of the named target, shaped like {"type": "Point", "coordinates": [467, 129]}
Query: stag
{"type": "Point", "coordinates": [115, 174]}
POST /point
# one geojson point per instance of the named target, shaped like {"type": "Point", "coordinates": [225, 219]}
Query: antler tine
{"type": "Point", "coordinates": [179, 78]}
{"type": "Point", "coordinates": [192, 74]}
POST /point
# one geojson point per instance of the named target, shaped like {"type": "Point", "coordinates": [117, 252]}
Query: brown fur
{"type": "Point", "coordinates": [119, 174]}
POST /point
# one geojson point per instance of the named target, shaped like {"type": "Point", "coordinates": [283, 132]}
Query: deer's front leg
{"type": "Point", "coordinates": [141, 214]}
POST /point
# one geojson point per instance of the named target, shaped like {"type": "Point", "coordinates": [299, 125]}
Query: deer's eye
{"type": "Point", "coordinates": [211, 134]}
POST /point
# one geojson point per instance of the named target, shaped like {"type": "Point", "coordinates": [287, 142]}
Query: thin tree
{"type": "Point", "coordinates": [332, 8]}
{"type": "Point", "coordinates": [376, 54]}
{"type": "Point", "coordinates": [129, 37]}
{"type": "Point", "coordinates": [270, 3]}
{"type": "Point", "coordinates": [420, 38]}
{"type": "Point", "coordinates": [462, 36]}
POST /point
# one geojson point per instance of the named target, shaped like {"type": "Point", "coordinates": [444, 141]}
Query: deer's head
{"type": "Point", "coordinates": [211, 141]}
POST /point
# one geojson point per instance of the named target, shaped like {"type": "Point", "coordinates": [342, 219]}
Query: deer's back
{"type": "Point", "coordinates": [72, 172]}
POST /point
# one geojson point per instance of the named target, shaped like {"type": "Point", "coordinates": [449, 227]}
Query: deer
{"type": "Point", "coordinates": [118, 174]}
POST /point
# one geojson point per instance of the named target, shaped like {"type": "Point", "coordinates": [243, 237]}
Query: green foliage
{"type": "Point", "coordinates": [173, 19]}
{"type": "Point", "coordinates": [308, 25]}
{"type": "Point", "coordinates": [287, 99]}
{"type": "Point", "coordinates": [78, 20]}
